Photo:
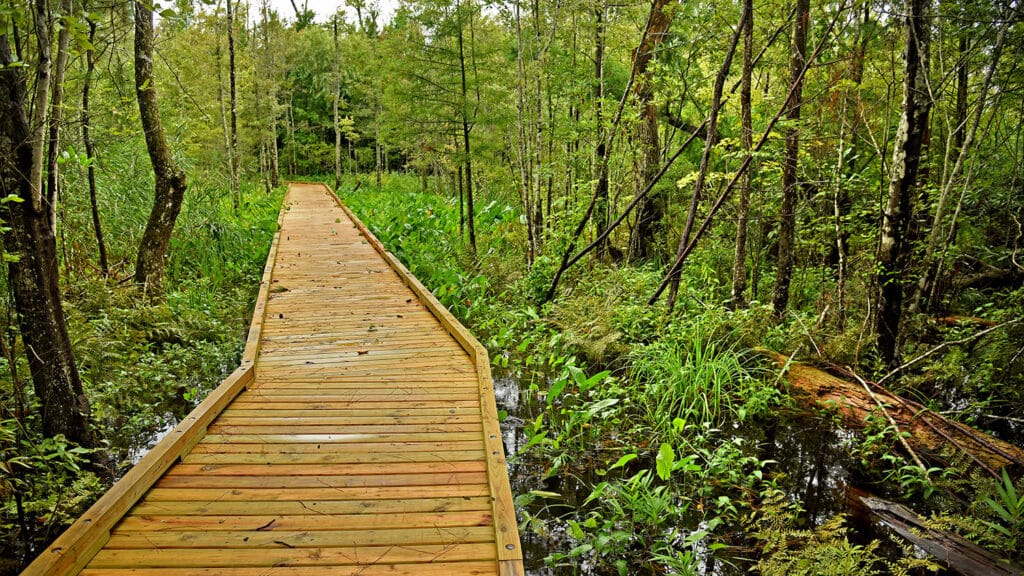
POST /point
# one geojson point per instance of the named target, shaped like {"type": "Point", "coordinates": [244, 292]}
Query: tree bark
{"type": "Point", "coordinates": [90, 153]}
{"type": "Point", "coordinates": [336, 84]}
{"type": "Point", "coordinates": [56, 115]}
{"type": "Point", "coordinates": [651, 211]}
{"type": "Point", "coordinates": [739, 264]}
{"type": "Point", "coordinates": [170, 180]}
{"type": "Point", "coordinates": [33, 276]}
{"type": "Point", "coordinates": [787, 212]}
{"type": "Point", "coordinates": [892, 249]}
{"type": "Point", "coordinates": [233, 107]}
{"type": "Point", "coordinates": [468, 160]}
{"type": "Point", "coordinates": [601, 150]}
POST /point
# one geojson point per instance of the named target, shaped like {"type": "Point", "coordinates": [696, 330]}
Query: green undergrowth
{"type": "Point", "coordinates": [144, 364]}
{"type": "Point", "coordinates": [631, 419]}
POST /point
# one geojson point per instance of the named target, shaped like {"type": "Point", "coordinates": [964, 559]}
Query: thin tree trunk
{"type": "Point", "coordinates": [336, 65]}
{"type": "Point", "coordinates": [650, 212]}
{"type": "Point", "coordinates": [33, 275]}
{"type": "Point", "coordinates": [170, 180]}
{"type": "Point", "coordinates": [56, 115]}
{"type": "Point", "coordinates": [470, 226]}
{"type": "Point", "coordinates": [40, 105]}
{"type": "Point", "coordinates": [601, 150]}
{"type": "Point", "coordinates": [225, 132]}
{"type": "Point", "coordinates": [790, 184]}
{"type": "Point", "coordinates": [739, 266]}
{"type": "Point", "coordinates": [233, 105]}
{"type": "Point", "coordinates": [90, 154]}
{"type": "Point", "coordinates": [840, 195]}
{"type": "Point", "coordinates": [275, 170]}
{"type": "Point", "coordinates": [892, 249]}
{"type": "Point", "coordinates": [705, 159]}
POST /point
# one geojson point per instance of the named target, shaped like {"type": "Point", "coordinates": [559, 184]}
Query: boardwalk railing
{"type": "Point", "coordinates": [80, 544]}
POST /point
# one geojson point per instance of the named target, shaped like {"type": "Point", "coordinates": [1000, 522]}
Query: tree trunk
{"type": "Point", "coordinates": [739, 265]}
{"type": "Point", "coordinates": [336, 84]}
{"type": "Point", "coordinates": [275, 170]}
{"type": "Point", "coordinates": [170, 180]}
{"type": "Point", "coordinates": [468, 160]}
{"type": "Point", "coordinates": [790, 185]}
{"type": "Point", "coordinates": [840, 194]}
{"type": "Point", "coordinates": [601, 150]}
{"type": "Point", "coordinates": [651, 211]}
{"type": "Point", "coordinates": [56, 115]}
{"type": "Point", "coordinates": [40, 105]}
{"type": "Point", "coordinates": [90, 154]}
{"type": "Point", "coordinates": [233, 108]}
{"type": "Point", "coordinates": [892, 249]}
{"type": "Point", "coordinates": [33, 276]}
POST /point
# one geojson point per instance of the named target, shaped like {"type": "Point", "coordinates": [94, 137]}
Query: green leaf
{"type": "Point", "coordinates": [557, 387]}
{"type": "Point", "coordinates": [666, 458]}
{"type": "Point", "coordinates": [623, 461]}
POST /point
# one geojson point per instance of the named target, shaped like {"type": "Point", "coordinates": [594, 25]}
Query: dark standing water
{"type": "Point", "coordinates": [815, 457]}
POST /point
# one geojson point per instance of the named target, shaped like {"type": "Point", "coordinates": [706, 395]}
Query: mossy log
{"type": "Point", "coordinates": [930, 434]}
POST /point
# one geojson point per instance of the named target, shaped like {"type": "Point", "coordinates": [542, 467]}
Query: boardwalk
{"type": "Point", "coordinates": [358, 437]}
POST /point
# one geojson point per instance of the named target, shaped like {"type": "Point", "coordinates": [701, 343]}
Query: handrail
{"type": "Point", "coordinates": [510, 555]}
{"type": "Point", "coordinates": [73, 549]}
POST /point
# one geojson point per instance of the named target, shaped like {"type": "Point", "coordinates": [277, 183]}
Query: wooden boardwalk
{"type": "Point", "coordinates": [359, 436]}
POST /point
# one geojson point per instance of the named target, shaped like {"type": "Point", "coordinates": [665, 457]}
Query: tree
{"type": "Point", "coordinates": [31, 238]}
{"type": "Point", "coordinates": [787, 212]}
{"type": "Point", "coordinates": [170, 180]}
{"type": "Point", "coordinates": [651, 210]}
{"type": "Point", "coordinates": [893, 247]}
{"type": "Point", "coordinates": [739, 266]}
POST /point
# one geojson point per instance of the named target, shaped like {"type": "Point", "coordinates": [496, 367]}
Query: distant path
{"type": "Point", "coordinates": [359, 437]}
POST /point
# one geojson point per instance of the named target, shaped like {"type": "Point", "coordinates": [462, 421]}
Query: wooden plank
{"type": "Point", "coordinates": [394, 404]}
{"type": "Point", "coordinates": [122, 539]}
{"type": "Point", "coordinates": [471, 568]}
{"type": "Point", "coordinates": [310, 418]}
{"type": "Point", "coordinates": [273, 523]}
{"type": "Point", "coordinates": [335, 456]}
{"type": "Point", "coordinates": [321, 508]}
{"type": "Point", "coordinates": [321, 470]}
{"type": "Point", "coordinates": [332, 481]}
{"type": "Point", "coordinates": [277, 494]}
{"type": "Point", "coordinates": [281, 450]}
{"type": "Point", "coordinates": [283, 556]}
{"type": "Point", "coordinates": [340, 438]}
{"type": "Point", "coordinates": [350, 429]}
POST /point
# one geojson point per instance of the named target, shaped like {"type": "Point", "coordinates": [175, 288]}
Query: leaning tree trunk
{"type": "Point", "coordinates": [470, 226]}
{"type": "Point", "coordinates": [906, 158]}
{"type": "Point", "coordinates": [787, 212]}
{"type": "Point", "coordinates": [33, 275]}
{"type": "Point", "coordinates": [651, 211]}
{"type": "Point", "coordinates": [170, 180]}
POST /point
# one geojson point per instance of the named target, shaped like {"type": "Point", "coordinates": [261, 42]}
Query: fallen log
{"type": "Point", "coordinates": [951, 550]}
{"type": "Point", "coordinates": [929, 433]}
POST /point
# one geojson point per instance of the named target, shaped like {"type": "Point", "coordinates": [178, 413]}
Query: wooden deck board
{"type": "Point", "coordinates": [359, 437]}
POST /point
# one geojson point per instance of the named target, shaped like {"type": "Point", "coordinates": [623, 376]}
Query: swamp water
{"type": "Point", "coordinates": [814, 456]}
